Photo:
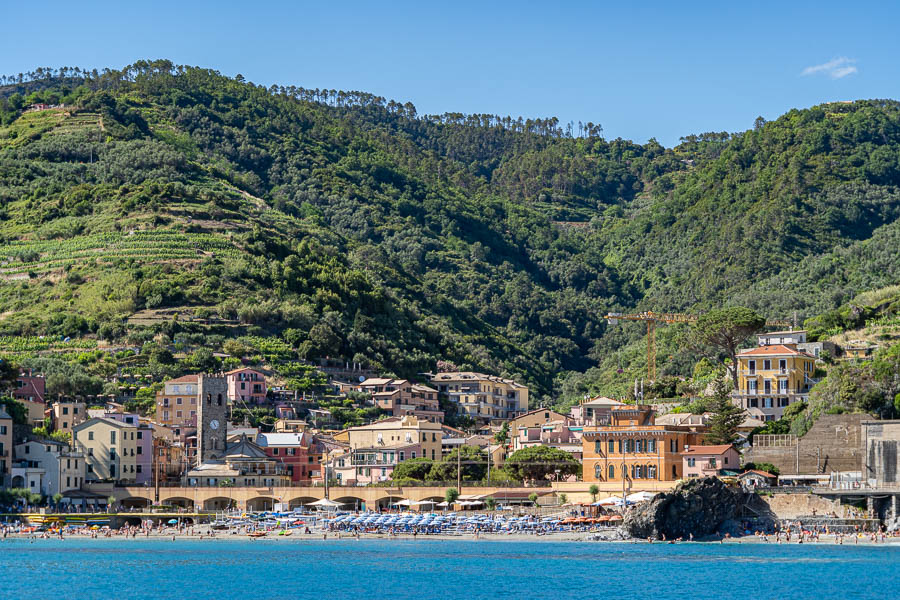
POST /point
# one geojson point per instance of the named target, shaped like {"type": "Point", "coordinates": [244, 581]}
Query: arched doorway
{"type": "Point", "coordinates": [301, 501]}
{"type": "Point", "coordinates": [351, 503]}
{"type": "Point", "coordinates": [387, 502]}
{"type": "Point", "coordinates": [219, 503]}
{"type": "Point", "coordinates": [179, 502]}
{"type": "Point", "coordinates": [134, 502]}
{"type": "Point", "coordinates": [261, 503]}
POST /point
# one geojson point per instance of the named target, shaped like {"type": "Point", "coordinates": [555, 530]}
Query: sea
{"type": "Point", "coordinates": [422, 569]}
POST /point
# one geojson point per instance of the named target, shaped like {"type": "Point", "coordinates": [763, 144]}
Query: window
{"type": "Point", "coordinates": [90, 468]}
{"type": "Point", "coordinates": [112, 454]}
{"type": "Point", "coordinates": [751, 366]}
{"type": "Point", "coordinates": [782, 365]}
{"type": "Point", "coordinates": [65, 410]}
{"type": "Point", "coordinates": [74, 410]}
{"type": "Point", "coordinates": [112, 437]}
{"type": "Point", "coordinates": [177, 400]}
{"type": "Point", "coordinates": [68, 481]}
{"type": "Point", "coordinates": [611, 446]}
{"type": "Point", "coordinates": [726, 460]}
{"type": "Point", "coordinates": [90, 435]}
{"type": "Point", "coordinates": [692, 462]}
{"type": "Point", "coordinates": [651, 446]}
{"type": "Point", "coordinates": [139, 466]}
{"type": "Point", "coordinates": [651, 472]}
{"type": "Point", "coordinates": [767, 365]}
{"type": "Point", "coordinates": [413, 454]}
{"type": "Point", "coordinates": [598, 471]}
{"type": "Point", "coordinates": [177, 414]}
{"type": "Point", "coordinates": [713, 463]}
{"type": "Point", "coordinates": [274, 451]}
{"type": "Point", "coordinates": [90, 451]}
{"type": "Point", "coordinates": [598, 447]}
{"type": "Point", "coordinates": [140, 435]}
{"type": "Point", "coordinates": [140, 450]}
{"type": "Point", "coordinates": [612, 471]}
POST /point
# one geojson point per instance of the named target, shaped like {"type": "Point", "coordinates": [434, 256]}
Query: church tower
{"type": "Point", "coordinates": [212, 417]}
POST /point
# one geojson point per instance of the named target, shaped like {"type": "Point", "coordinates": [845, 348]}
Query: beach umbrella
{"type": "Point", "coordinates": [173, 521]}
{"type": "Point", "coordinates": [640, 497]}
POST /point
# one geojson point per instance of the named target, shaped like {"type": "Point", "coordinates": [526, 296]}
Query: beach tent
{"type": "Point", "coordinates": [325, 502]}
{"type": "Point", "coordinates": [611, 501]}
{"type": "Point", "coordinates": [641, 497]}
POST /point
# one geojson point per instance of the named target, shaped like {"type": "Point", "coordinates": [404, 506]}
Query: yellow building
{"type": "Point", "coordinates": [771, 378]}
{"type": "Point", "coordinates": [66, 415]}
{"type": "Point", "coordinates": [176, 403]}
{"type": "Point", "coordinates": [483, 397]}
{"type": "Point", "coordinates": [113, 450]}
{"type": "Point", "coordinates": [396, 431]}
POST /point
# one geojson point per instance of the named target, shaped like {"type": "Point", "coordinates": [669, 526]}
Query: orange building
{"type": "Point", "coordinates": [634, 448]}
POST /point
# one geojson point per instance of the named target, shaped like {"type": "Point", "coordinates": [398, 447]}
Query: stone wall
{"type": "Point", "coordinates": [793, 506]}
{"type": "Point", "coordinates": [834, 443]}
{"type": "Point", "coordinates": [883, 452]}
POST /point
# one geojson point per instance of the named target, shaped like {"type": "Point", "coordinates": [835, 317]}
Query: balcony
{"type": "Point", "coordinates": [766, 372]}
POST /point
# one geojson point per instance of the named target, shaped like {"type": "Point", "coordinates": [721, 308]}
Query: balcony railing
{"type": "Point", "coordinates": [774, 371]}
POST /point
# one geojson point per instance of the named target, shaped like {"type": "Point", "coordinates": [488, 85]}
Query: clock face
{"type": "Point", "coordinates": [214, 424]}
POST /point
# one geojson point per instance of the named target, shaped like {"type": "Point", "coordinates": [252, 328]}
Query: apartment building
{"type": "Point", "coordinates": [113, 450]}
{"type": "Point", "coordinates": [399, 397]}
{"type": "Point", "coordinates": [6, 450]}
{"type": "Point", "coordinates": [48, 467]}
{"type": "Point", "coordinates": [66, 414]}
{"type": "Point", "coordinates": [771, 378]}
{"type": "Point", "coordinates": [292, 450]}
{"type": "Point", "coordinates": [635, 449]}
{"type": "Point", "coordinates": [484, 398]}
{"type": "Point", "coordinates": [246, 386]}
{"type": "Point", "coordinates": [30, 387]}
{"type": "Point", "coordinates": [176, 403]}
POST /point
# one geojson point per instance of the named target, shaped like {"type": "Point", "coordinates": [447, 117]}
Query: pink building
{"type": "Point", "coordinates": [30, 387]}
{"type": "Point", "coordinates": [246, 386]}
{"type": "Point", "coordinates": [364, 466]}
{"type": "Point", "coordinates": [706, 461]}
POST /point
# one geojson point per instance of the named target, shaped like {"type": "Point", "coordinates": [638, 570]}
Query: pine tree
{"type": "Point", "coordinates": [725, 419]}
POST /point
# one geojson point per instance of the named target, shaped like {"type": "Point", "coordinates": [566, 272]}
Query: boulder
{"type": "Point", "coordinates": [695, 507]}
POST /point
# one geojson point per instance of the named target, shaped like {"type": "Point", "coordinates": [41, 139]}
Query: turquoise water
{"type": "Point", "coordinates": [425, 569]}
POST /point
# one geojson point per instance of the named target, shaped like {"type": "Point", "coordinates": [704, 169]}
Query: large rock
{"type": "Point", "coordinates": [696, 506]}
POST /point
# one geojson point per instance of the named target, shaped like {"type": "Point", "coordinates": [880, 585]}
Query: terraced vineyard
{"type": "Point", "coordinates": [19, 344]}
{"type": "Point", "coordinates": [40, 256]}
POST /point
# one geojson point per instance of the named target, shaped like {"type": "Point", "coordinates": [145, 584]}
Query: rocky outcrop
{"type": "Point", "coordinates": [695, 507]}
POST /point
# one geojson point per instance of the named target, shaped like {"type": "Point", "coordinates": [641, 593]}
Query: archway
{"type": "Point", "coordinates": [261, 503]}
{"type": "Point", "coordinates": [218, 503]}
{"type": "Point", "coordinates": [18, 481]}
{"type": "Point", "coordinates": [302, 501]}
{"type": "Point", "coordinates": [351, 503]}
{"type": "Point", "coordinates": [387, 502]}
{"type": "Point", "coordinates": [178, 501]}
{"type": "Point", "coordinates": [134, 502]}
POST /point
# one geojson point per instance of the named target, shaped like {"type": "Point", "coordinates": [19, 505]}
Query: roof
{"type": "Point", "coordinates": [774, 350]}
{"type": "Point", "coordinates": [782, 332]}
{"type": "Point", "coordinates": [755, 472]}
{"type": "Point", "coordinates": [279, 439]}
{"type": "Point", "coordinates": [106, 420]}
{"type": "Point", "coordinates": [538, 410]}
{"type": "Point", "coordinates": [472, 376]}
{"type": "Point", "coordinates": [4, 414]}
{"type": "Point", "coordinates": [233, 371]}
{"type": "Point", "coordinates": [720, 449]}
{"type": "Point", "coordinates": [418, 387]}
{"type": "Point", "coordinates": [185, 379]}
{"type": "Point", "coordinates": [602, 401]}
{"type": "Point", "coordinates": [380, 381]}
{"type": "Point", "coordinates": [244, 448]}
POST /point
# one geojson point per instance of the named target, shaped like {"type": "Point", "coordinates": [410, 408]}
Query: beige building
{"type": "Point", "coordinates": [483, 397]}
{"type": "Point", "coordinates": [176, 403]}
{"type": "Point", "coordinates": [112, 449]}
{"type": "Point", "coordinates": [66, 415]}
{"type": "Point", "coordinates": [399, 397]}
{"type": "Point", "coordinates": [35, 412]}
{"type": "Point", "coordinates": [594, 411]}
{"type": "Point", "coordinates": [396, 431]}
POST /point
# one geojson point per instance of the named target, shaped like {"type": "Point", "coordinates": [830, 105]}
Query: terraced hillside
{"type": "Point", "coordinates": [347, 225]}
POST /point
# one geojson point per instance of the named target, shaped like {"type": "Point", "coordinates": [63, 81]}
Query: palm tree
{"type": "Point", "coordinates": [593, 491]}
{"type": "Point", "coordinates": [57, 498]}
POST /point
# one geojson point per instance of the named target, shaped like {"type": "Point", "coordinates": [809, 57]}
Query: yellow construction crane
{"type": "Point", "coordinates": [652, 318]}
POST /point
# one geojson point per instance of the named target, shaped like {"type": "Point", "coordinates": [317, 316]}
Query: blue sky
{"type": "Point", "coordinates": [648, 69]}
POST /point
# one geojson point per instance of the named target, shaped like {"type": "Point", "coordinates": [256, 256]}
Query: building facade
{"type": "Point", "coordinates": [113, 450]}
{"type": "Point", "coordinates": [771, 378]}
{"type": "Point", "coordinates": [65, 415]}
{"type": "Point", "coordinates": [62, 469]}
{"type": "Point", "coordinates": [30, 387]}
{"type": "Point", "coordinates": [246, 386]}
{"type": "Point", "coordinates": [6, 449]}
{"type": "Point", "coordinates": [632, 448]}
{"type": "Point", "coordinates": [484, 398]}
{"type": "Point", "coordinates": [292, 450]}
{"type": "Point", "coordinates": [176, 403]}
{"type": "Point", "coordinates": [710, 461]}
{"type": "Point", "coordinates": [395, 431]}
{"type": "Point", "coordinates": [400, 397]}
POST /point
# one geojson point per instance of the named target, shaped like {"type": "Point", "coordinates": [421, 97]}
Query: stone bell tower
{"type": "Point", "coordinates": [212, 417]}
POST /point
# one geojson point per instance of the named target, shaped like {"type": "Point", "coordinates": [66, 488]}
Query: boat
{"type": "Point", "coordinates": [285, 532]}
{"type": "Point", "coordinates": [256, 534]}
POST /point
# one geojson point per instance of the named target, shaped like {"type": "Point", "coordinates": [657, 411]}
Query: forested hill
{"type": "Point", "coordinates": [352, 227]}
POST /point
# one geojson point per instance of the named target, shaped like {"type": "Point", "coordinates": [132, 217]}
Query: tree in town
{"type": "Point", "coordinates": [451, 495]}
{"type": "Point", "coordinates": [57, 498]}
{"type": "Point", "coordinates": [540, 462]}
{"type": "Point", "coordinates": [762, 466]}
{"type": "Point", "coordinates": [471, 462]}
{"type": "Point", "coordinates": [593, 491]}
{"type": "Point", "coordinates": [15, 409]}
{"type": "Point", "coordinates": [502, 436]}
{"type": "Point", "coordinates": [533, 498]}
{"type": "Point", "coordinates": [719, 333]}
{"type": "Point", "coordinates": [413, 468]}
{"type": "Point", "coordinates": [490, 503]}
{"type": "Point", "coordinates": [726, 417]}
{"type": "Point", "coordinates": [563, 498]}
{"type": "Point", "coordinates": [111, 503]}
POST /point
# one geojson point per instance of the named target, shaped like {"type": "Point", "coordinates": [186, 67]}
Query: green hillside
{"type": "Point", "coordinates": [174, 200]}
